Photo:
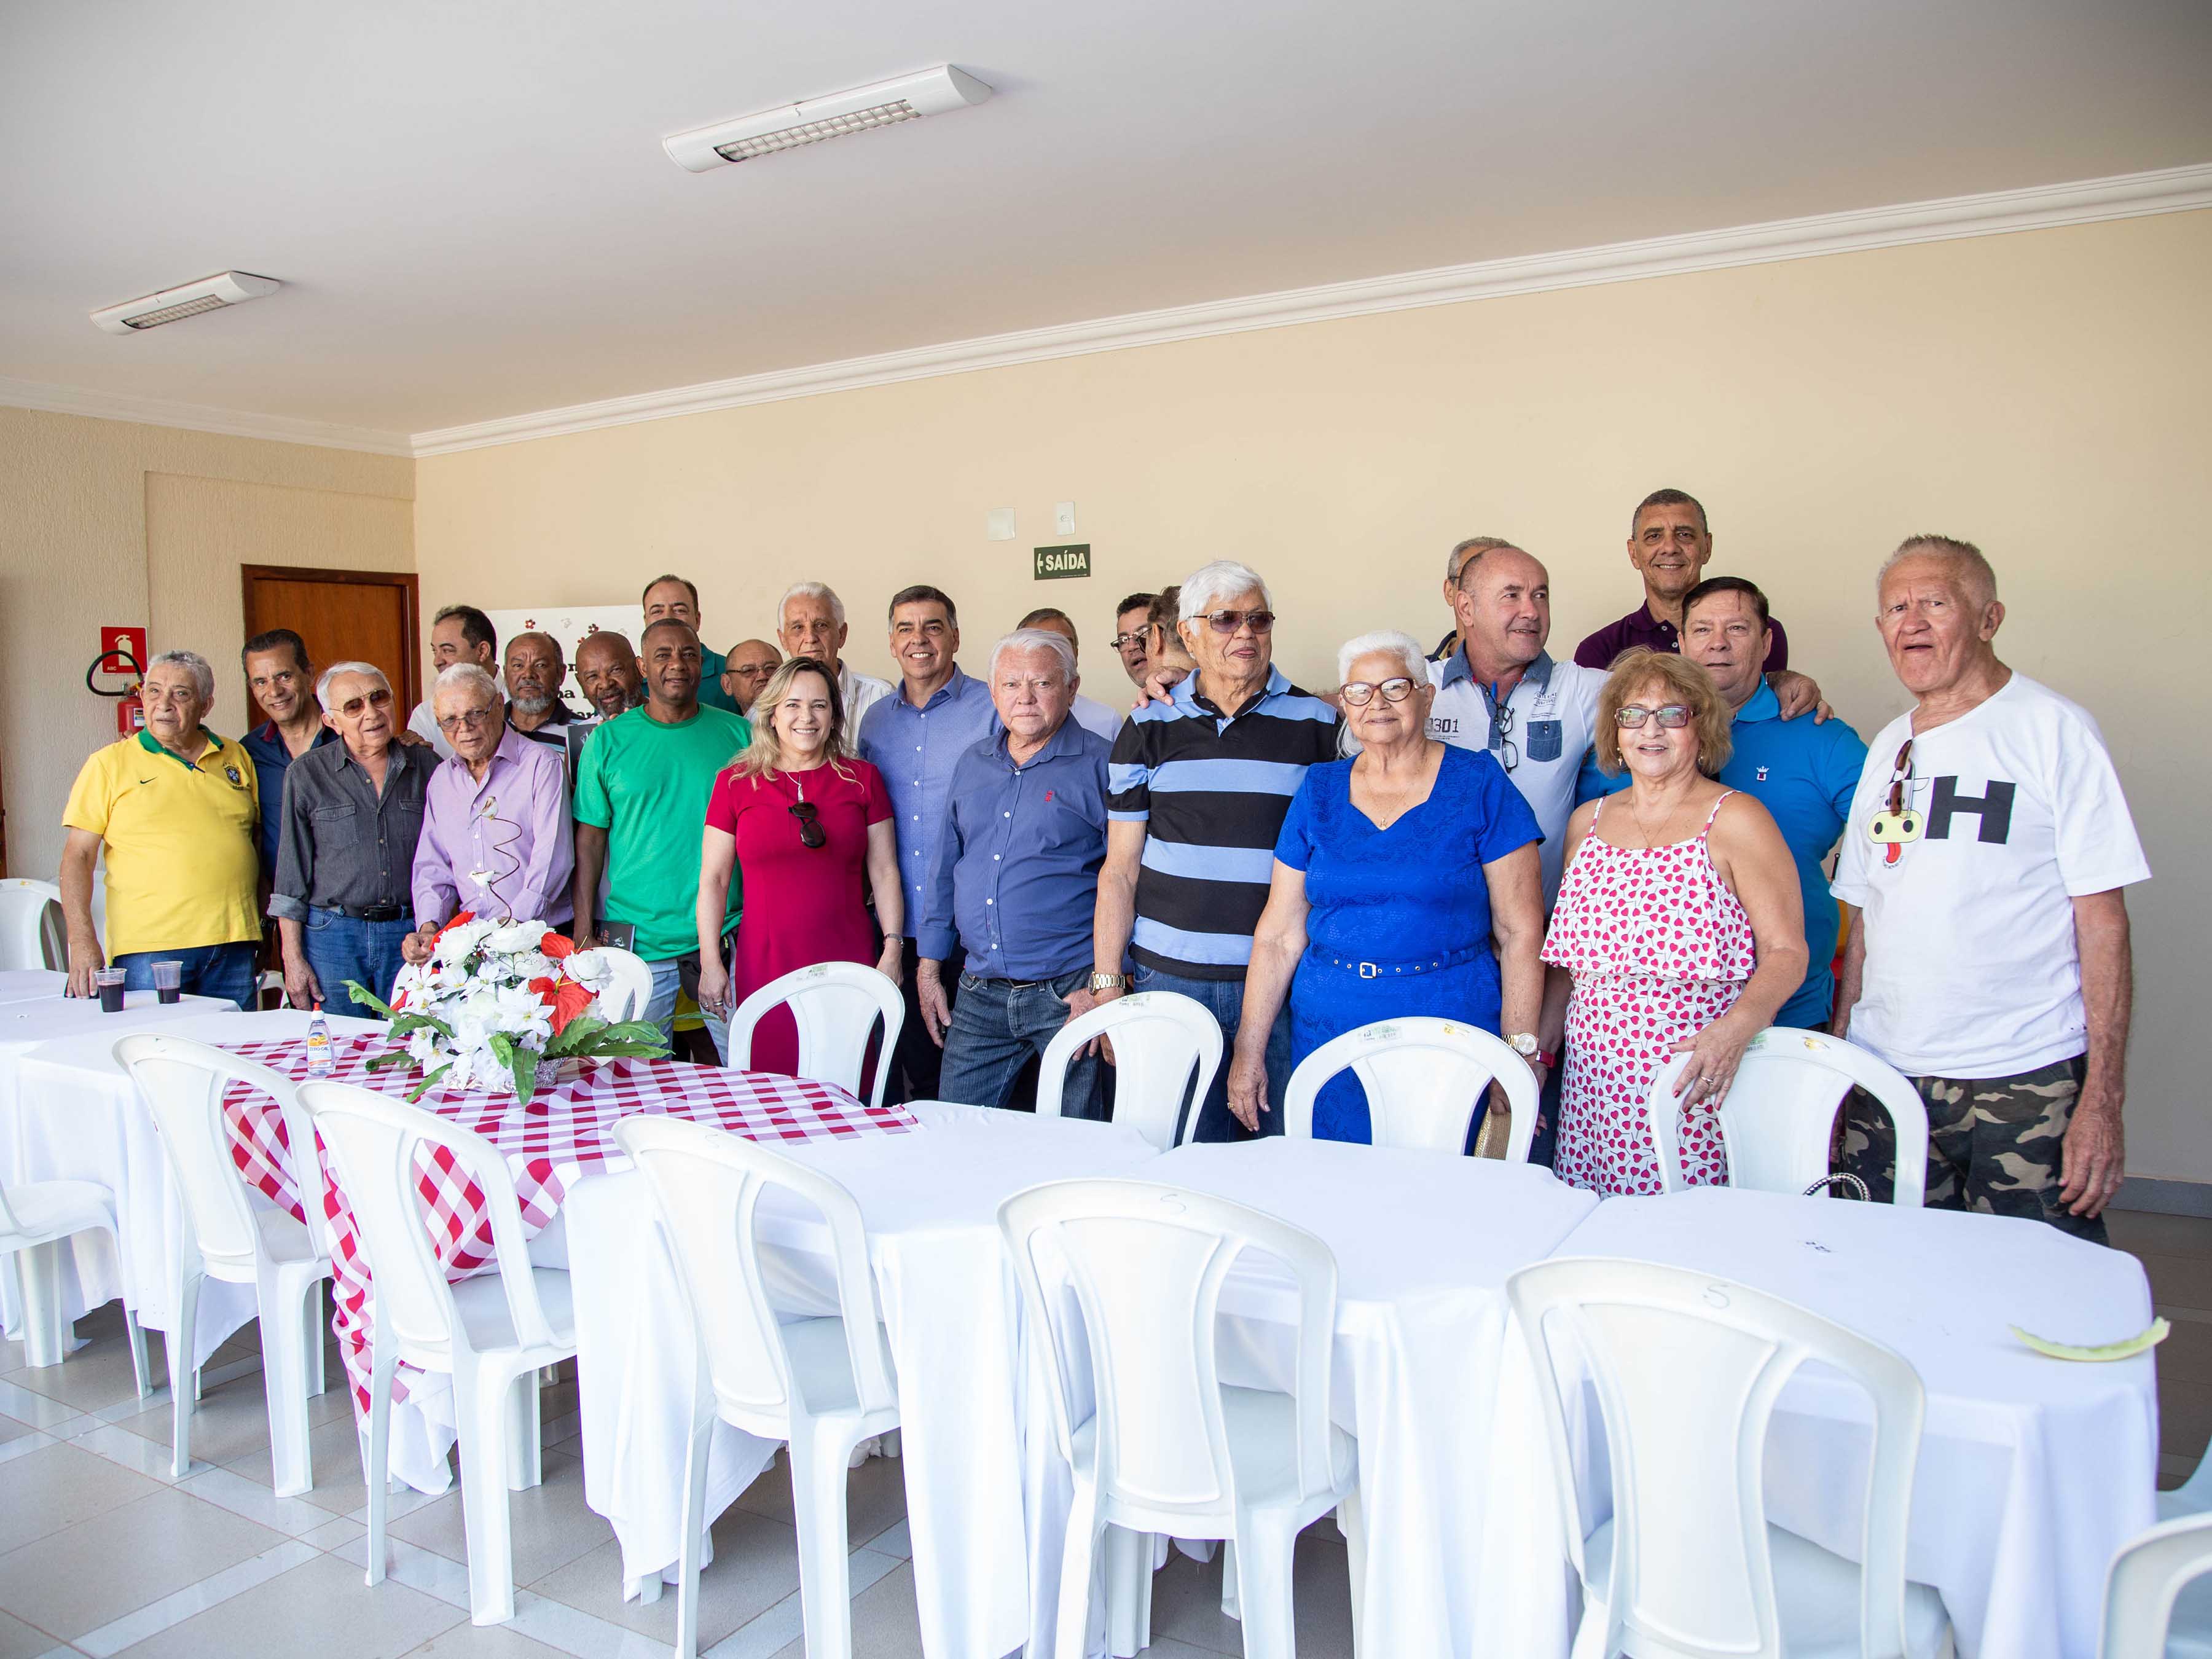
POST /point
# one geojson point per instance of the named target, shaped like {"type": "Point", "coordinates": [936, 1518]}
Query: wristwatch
{"type": "Point", "coordinates": [1109, 981]}
{"type": "Point", "coordinates": [1524, 1043]}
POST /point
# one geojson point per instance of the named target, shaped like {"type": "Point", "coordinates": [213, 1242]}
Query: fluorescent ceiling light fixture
{"type": "Point", "coordinates": [932, 91]}
{"type": "Point", "coordinates": [225, 288]}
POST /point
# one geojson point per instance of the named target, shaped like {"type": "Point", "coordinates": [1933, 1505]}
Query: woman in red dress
{"type": "Point", "coordinates": [811, 825]}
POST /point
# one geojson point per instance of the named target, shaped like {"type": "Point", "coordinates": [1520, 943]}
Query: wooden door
{"type": "Point", "coordinates": [345, 616]}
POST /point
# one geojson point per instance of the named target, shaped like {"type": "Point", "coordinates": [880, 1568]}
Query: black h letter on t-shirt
{"type": "Point", "coordinates": [1993, 809]}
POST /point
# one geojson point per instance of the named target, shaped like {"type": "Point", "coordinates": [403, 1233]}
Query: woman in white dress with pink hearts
{"type": "Point", "coordinates": [1680, 929]}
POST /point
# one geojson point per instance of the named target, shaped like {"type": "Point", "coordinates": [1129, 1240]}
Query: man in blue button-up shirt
{"type": "Point", "coordinates": [913, 737]}
{"type": "Point", "coordinates": [1013, 882]}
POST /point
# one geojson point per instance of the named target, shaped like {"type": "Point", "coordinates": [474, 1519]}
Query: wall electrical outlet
{"type": "Point", "coordinates": [1063, 519]}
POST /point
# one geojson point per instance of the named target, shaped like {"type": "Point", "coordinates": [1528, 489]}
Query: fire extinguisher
{"type": "Point", "coordinates": [130, 707]}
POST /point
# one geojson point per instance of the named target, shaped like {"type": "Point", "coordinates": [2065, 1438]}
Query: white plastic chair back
{"type": "Point", "coordinates": [371, 1141]}
{"type": "Point", "coordinates": [1146, 1262]}
{"type": "Point", "coordinates": [2150, 1570]}
{"type": "Point", "coordinates": [631, 990]}
{"type": "Point", "coordinates": [1424, 1078]}
{"type": "Point", "coordinates": [1687, 1369]}
{"type": "Point", "coordinates": [183, 1083]}
{"type": "Point", "coordinates": [836, 1005]}
{"type": "Point", "coordinates": [1163, 1041]}
{"type": "Point", "coordinates": [1779, 1118]}
{"type": "Point", "coordinates": [707, 1185]}
{"type": "Point", "coordinates": [24, 907]}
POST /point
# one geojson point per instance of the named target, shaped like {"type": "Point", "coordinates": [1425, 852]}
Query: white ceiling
{"type": "Point", "coordinates": [474, 218]}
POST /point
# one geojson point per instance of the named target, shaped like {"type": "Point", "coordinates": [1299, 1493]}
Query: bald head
{"type": "Point", "coordinates": [534, 670]}
{"type": "Point", "coordinates": [1502, 603]}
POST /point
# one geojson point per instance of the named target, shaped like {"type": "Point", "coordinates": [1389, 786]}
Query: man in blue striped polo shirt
{"type": "Point", "coordinates": [1199, 786]}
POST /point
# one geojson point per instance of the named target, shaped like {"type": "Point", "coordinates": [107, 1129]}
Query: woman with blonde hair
{"type": "Point", "coordinates": [1680, 927]}
{"type": "Point", "coordinates": [810, 826]}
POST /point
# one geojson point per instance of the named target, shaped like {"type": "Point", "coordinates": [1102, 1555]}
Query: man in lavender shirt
{"type": "Point", "coordinates": [496, 839]}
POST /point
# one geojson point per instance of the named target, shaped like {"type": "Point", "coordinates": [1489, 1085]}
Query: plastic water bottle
{"type": "Point", "coordinates": [320, 1063]}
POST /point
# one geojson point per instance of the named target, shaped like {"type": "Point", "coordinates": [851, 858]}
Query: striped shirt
{"type": "Point", "coordinates": [1211, 790]}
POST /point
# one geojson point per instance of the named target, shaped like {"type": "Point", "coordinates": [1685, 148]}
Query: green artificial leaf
{"type": "Point", "coordinates": [390, 1057]}
{"type": "Point", "coordinates": [429, 1081]}
{"type": "Point", "coordinates": [524, 1064]}
{"type": "Point", "coordinates": [573, 1036]}
{"type": "Point", "coordinates": [362, 993]}
{"type": "Point", "coordinates": [406, 1024]}
{"type": "Point", "coordinates": [655, 1050]}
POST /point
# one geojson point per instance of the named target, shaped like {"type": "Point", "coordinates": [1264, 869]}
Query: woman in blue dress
{"type": "Point", "coordinates": [1406, 883]}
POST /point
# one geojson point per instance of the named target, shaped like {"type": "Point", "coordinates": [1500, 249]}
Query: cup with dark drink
{"type": "Point", "coordinates": [169, 982]}
{"type": "Point", "coordinates": [110, 982]}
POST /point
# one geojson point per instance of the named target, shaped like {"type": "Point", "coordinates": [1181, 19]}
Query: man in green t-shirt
{"type": "Point", "coordinates": [641, 792]}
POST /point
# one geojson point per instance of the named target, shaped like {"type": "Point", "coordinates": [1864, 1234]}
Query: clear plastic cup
{"type": "Point", "coordinates": [169, 980]}
{"type": "Point", "coordinates": [110, 982]}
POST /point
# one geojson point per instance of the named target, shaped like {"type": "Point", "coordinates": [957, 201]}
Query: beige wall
{"type": "Point", "coordinates": [2043, 393]}
{"type": "Point", "coordinates": [109, 521]}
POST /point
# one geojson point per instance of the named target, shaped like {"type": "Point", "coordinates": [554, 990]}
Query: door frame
{"type": "Point", "coordinates": [409, 667]}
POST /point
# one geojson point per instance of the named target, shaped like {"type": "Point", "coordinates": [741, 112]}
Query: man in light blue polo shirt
{"type": "Point", "coordinates": [1803, 772]}
{"type": "Point", "coordinates": [914, 737]}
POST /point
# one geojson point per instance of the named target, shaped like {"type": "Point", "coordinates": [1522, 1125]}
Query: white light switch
{"type": "Point", "coordinates": [998, 524]}
{"type": "Point", "coordinates": [1063, 519]}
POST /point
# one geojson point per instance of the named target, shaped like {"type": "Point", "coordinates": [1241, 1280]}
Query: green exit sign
{"type": "Point", "coordinates": [1053, 563]}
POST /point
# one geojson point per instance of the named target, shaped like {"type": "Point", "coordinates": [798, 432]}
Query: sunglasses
{"type": "Point", "coordinates": [1501, 735]}
{"type": "Point", "coordinates": [377, 699]}
{"type": "Point", "coordinates": [1226, 623]}
{"type": "Point", "coordinates": [811, 832]}
{"type": "Point", "coordinates": [1672, 716]}
{"type": "Point", "coordinates": [1900, 774]}
{"type": "Point", "coordinates": [1360, 692]}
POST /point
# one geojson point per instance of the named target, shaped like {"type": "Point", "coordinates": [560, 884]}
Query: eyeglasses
{"type": "Point", "coordinates": [1360, 692]}
{"type": "Point", "coordinates": [1900, 774]}
{"type": "Point", "coordinates": [1672, 716]}
{"type": "Point", "coordinates": [1131, 641]}
{"type": "Point", "coordinates": [1501, 735]}
{"type": "Point", "coordinates": [1226, 623]}
{"type": "Point", "coordinates": [471, 718]}
{"type": "Point", "coordinates": [811, 832]}
{"type": "Point", "coordinates": [378, 698]}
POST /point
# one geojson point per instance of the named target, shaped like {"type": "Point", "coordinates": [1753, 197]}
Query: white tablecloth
{"type": "Point", "coordinates": [31, 984]}
{"type": "Point", "coordinates": [77, 1117]}
{"type": "Point", "coordinates": [2031, 1470]}
{"type": "Point", "coordinates": [68, 1125]}
{"type": "Point", "coordinates": [1424, 1245]}
{"type": "Point", "coordinates": [930, 1200]}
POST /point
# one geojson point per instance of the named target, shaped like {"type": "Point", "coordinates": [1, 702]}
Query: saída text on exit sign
{"type": "Point", "coordinates": [1072, 559]}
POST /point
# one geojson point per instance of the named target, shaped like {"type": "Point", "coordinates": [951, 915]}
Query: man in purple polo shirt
{"type": "Point", "coordinates": [495, 840]}
{"type": "Point", "coordinates": [1669, 544]}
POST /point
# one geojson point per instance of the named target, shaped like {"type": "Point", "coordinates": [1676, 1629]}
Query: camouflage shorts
{"type": "Point", "coordinates": [1993, 1144]}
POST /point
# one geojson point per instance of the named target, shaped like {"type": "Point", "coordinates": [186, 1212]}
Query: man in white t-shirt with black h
{"type": "Point", "coordinates": [1988, 845]}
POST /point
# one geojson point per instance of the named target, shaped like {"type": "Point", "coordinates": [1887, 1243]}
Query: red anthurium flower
{"type": "Point", "coordinates": [544, 990]}
{"type": "Point", "coordinates": [569, 1000]}
{"type": "Point", "coordinates": [556, 947]}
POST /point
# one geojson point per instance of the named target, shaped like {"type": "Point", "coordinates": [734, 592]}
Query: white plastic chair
{"type": "Point", "coordinates": [1687, 1369]}
{"type": "Point", "coordinates": [230, 1237]}
{"type": "Point", "coordinates": [36, 1216]}
{"type": "Point", "coordinates": [2148, 1576]}
{"type": "Point", "coordinates": [2192, 1497]}
{"type": "Point", "coordinates": [823, 1385]}
{"type": "Point", "coordinates": [1169, 1447]}
{"type": "Point", "coordinates": [1779, 1117]}
{"type": "Point", "coordinates": [835, 1004]}
{"type": "Point", "coordinates": [1166, 1048]}
{"type": "Point", "coordinates": [23, 912]}
{"type": "Point", "coordinates": [1424, 1078]}
{"type": "Point", "coordinates": [631, 989]}
{"type": "Point", "coordinates": [492, 1333]}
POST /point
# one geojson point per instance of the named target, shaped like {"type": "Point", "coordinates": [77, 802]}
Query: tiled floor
{"type": "Point", "coordinates": [102, 1553]}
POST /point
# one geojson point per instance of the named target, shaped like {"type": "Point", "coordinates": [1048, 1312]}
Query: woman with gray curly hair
{"type": "Point", "coordinates": [1407, 883]}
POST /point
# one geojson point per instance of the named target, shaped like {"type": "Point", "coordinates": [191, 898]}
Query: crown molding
{"type": "Point", "coordinates": [197, 417]}
{"type": "Point", "coordinates": [2172, 190]}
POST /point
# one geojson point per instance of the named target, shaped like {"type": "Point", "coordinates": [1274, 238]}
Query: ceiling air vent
{"type": "Point", "coordinates": [225, 288]}
{"type": "Point", "coordinates": [932, 92]}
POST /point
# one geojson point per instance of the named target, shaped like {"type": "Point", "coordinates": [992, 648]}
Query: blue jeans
{"type": "Point", "coordinates": [996, 1026]}
{"type": "Point", "coordinates": [681, 974]}
{"type": "Point", "coordinates": [340, 947]}
{"type": "Point", "coordinates": [1224, 1000]}
{"type": "Point", "coordinates": [210, 971]}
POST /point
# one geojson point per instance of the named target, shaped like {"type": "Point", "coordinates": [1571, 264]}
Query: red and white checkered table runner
{"type": "Point", "coordinates": [564, 1132]}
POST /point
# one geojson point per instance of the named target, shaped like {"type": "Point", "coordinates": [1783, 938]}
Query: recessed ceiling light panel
{"type": "Point", "coordinates": [932, 92]}
{"type": "Point", "coordinates": [225, 288]}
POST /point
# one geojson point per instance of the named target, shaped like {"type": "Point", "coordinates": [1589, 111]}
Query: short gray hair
{"type": "Point", "coordinates": [464, 674]}
{"type": "Point", "coordinates": [1210, 584]}
{"type": "Point", "coordinates": [1969, 568]}
{"type": "Point", "coordinates": [1470, 551]}
{"type": "Point", "coordinates": [1384, 641]}
{"type": "Point", "coordinates": [809, 591]}
{"type": "Point", "coordinates": [203, 674]}
{"type": "Point", "coordinates": [1036, 639]}
{"type": "Point", "coordinates": [367, 669]}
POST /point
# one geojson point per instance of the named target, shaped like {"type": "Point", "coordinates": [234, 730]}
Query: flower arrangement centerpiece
{"type": "Point", "coordinates": [504, 1007]}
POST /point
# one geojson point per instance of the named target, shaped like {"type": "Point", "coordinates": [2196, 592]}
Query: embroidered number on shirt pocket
{"type": "Point", "coordinates": [1544, 740]}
